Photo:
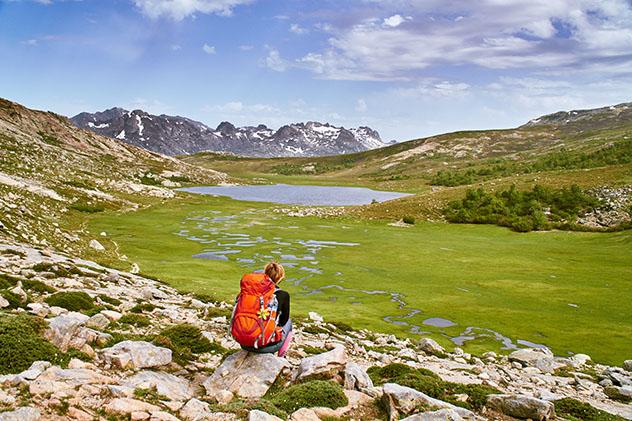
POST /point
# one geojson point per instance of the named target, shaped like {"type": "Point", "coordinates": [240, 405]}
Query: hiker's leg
{"type": "Point", "coordinates": [288, 335]}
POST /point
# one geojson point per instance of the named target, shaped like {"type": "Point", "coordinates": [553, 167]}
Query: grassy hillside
{"type": "Point", "coordinates": [52, 175]}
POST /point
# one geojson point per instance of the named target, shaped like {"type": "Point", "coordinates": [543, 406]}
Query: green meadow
{"type": "Point", "coordinates": [566, 290]}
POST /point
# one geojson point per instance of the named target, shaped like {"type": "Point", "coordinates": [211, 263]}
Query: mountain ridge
{"type": "Point", "coordinates": [176, 135]}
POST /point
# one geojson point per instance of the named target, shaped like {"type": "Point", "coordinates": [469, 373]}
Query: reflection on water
{"type": "Point", "coordinates": [299, 195]}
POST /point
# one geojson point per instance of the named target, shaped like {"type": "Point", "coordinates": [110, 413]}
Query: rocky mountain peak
{"type": "Point", "coordinates": [178, 135]}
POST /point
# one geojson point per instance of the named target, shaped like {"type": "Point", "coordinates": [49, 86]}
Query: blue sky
{"type": "Point", "coordinates": [408, 68]}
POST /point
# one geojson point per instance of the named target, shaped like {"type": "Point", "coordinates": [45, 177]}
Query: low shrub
{"type": "Point", "coordinates": [110, 300]}
{"type": "Point", "coordinates": [137, 320]}
{"type": "Point", "coordinates": [313, 350]}
{"type": "Point", "coordinates": [408, 220]}
{"type": "Point", "coordinates": [142, 307]}
{"type": "Point", "coordinates": [575, 410]}
{"type": "Point", "coordinates": [15, 301]}
{"type": "Point", "coordinates": [185, 340]}
{"type": "Point", "coordinates": [211, 312]}
{"type": "Point", "coordinates": [37, 286]}
{"type": "Point", "coordinates": [86, 207]}
{"type": "Point", "coordinates": [310, 394]}
{"type": "Point", "coordinates": [21, 343]}
{"type": "Point", "coordinates": [71, 300]}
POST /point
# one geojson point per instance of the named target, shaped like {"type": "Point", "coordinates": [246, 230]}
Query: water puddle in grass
{"type": "Point", "coordinates": [224, 240]}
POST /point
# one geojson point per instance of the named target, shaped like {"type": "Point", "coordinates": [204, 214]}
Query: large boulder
{"type": "Point", "coordinates": [25, 413]}
{"type": "Point", "coordinates": [136, 355]}
{"type": "Point", "coordinates": [173, 387]}
{"type": "Point", "coordinates": [430, 346]}
{"type": "Point", "coordinates": [64, 328]}
{"type": "Point", "coordinates": [620, 393]}
{"type": "Point", "coordinates": [521, 406]}
{"type": "Point", "coordinates": [618, 376]}
{"type": "Point", "coordinates": [541, 358]}
{"type": "Point", "coordinates": [401, 400]}
{"type": "Point", "coordinates": [356, 378]}
{"type": "Point", "coordinates": [328, 364]}
{"type": "Point", "coordinates": [245, 374]}
{"type": "Point", "coordinates": [55, 379]}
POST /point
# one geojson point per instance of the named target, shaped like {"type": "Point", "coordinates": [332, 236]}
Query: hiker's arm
{"type": "Point", "coordinates": [284, 306]}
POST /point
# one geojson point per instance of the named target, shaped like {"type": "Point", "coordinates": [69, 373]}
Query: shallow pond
{"type": "Point", "coordinates": [299, 195]}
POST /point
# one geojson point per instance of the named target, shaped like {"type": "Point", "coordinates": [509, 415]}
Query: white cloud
{"type": "Point", "coordinates": [208, 49]}
{"type": "Point", "coordinates": [180, 9]}
{"type": "Point", "coordinates": [361, 105]}
{"type": "Point", "coordinates": [274, 61]}
{"type": "Point", "coordinates": [434, 88]}
{"type": "Point", "coordinates": [30, 42]}
{"type": "Point", "coordinates": [176, 47]}
{"type": "Point", "coordinates": [297, 29]}
{"type": "Point", "coordinates": [246, 47]}
{"type": "Point", "coordinates": [527, 34]}
{"type": "Point", "coordinates": [395, 20]}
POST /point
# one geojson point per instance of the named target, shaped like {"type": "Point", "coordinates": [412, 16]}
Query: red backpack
{"type": "Point", "coordinates": [254, 320]}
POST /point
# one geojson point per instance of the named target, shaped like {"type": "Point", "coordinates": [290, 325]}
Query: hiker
{"type": "Point", "coordinates": [261, 317]}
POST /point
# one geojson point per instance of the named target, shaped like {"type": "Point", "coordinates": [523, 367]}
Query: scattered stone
{"type": "Point", "coordinates": [315, 316]}
{"type": "Point", "coordinates": [541, 358]}
{"type": "Point", "coordinates": [112, 315]}
{"type": "Point", "coordinates": [137, 354]}
{"type": "Point", "coordinates": [521, 406]}
{"type": "Point", "coordinates": [3, 302]}
{"type": "Point", "coordinates": [64, 328]}
{"type": "Point", "coordinates": [401, 400]}
{"type": "Point", "coordinates": [627, 365]}
{"type": "Point", "coordinates": [98, 321]}
{"type": "Point", "coordinates": [173, 387]}
{"type": "Point", "coordinates": [245, 374]}
{"type": "Point", "coordinates": [256, 415]}
{"type": "Point", "coordinates": [430, 346]}
{"type": "Point", "coordinates": [328, 364]}
{"type": "Point", "coordinates": [356, 378]}
{"type": "Point", "coordinates": [25, 413]}
{"type": "Point", "coordinates": [440, 415]}
{"type": "Point", "coordinates": [304, 414]}
{"type": "Point", "coordinates": [96, 245]}
{"type": "Point", "coordinates": [579, 360]}
{"type": "Point", "coordinates": [128, 406]}
{"type": "Point", "coordinates": [622, 393]}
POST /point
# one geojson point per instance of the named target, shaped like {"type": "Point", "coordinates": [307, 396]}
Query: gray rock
{"type": "Point", "coordinates": [196, 410]}
{"type": "Point", "coordinates": [63, 329]}
{"type": "Point", "coordinates": [25, 413]}
{"type": "Point", "coordinates": [3, 302]}
{"type": "Point", "coordinates": [621, 393]}
{"type": "Point", "coordinates": [173, 387]}
{"type": "Point", "coordinates": [541, 358]}
{"type": "Point", "coordinates": [256, 415]}
{"type": "Point", "coordinates": [327, 364]}
{"type": "Point", "coordinates": [137, 354]}
{"type": "Point", "coordinates": [245, 374]}
{"type": "Point", "coordinates": [151, 292]}
{"type": "Point", "coordinates": [128, 405]}
{"type": "Point", "coordinates": [521, 406]}
{"type": "Point", "coordinates": [96, 245]}
{"type": "Point", "coordinates": [618, 376]}
{"type": "Point", "coordinates": [440, 415]}
{"type": "Point", "coordinates": [627, 365]}
{"type": "Point", "coordinates": [98, 321]}
{"type": "Point", "coordinates": [401, 400]}
{"type": "Point", "coordinates": [356, 378]}
{"type": "Point", "coordinates": [431, 347]}
{"type": "Point", "coordinates": [579, 360]}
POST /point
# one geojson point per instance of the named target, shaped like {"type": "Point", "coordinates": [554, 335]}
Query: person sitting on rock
{"type": "Point", "coordinates": [261, 318]}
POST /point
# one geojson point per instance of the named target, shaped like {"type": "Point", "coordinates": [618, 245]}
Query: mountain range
{"type": "Point", "coordinates": [173, 135]}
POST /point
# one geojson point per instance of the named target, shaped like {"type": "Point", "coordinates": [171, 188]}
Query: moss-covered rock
{"type": "Point", "coordinates": [142, 307]}
{"type": "Point", "coordinates": [427, 382]}
{"type": "Point", "coordinates": [575, 410]}
{"type": "Point", "coordinates": [37, 286]}
{"type": "Point", "coordinates": [310, 394]}
{"type": "Point", "coordinates": [71, 300]}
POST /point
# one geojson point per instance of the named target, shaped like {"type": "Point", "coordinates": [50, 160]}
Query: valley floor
{"type": "Point", "coordinates": [487, 286]}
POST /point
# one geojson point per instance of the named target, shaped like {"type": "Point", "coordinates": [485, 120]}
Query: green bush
{"type": "Point", "coordinates": [409, 220]}
{"type": "Point", "coordinates": [575, 410]}
{"type": "Point", "coordinates": [309, 394]}
{"type": "Point", "coordinates": [71, 300]}
{"type": "Point", "coordinates": [37, 286]}
{"type": "Point", "coordinates": [185, 340]}
{"type": "Point", "coordinates": [8, 281]}
{"type": "Point", "coordinates": [134, 319]}
{"type": "Point", "coordinates": [109, 300]}
{"type": "Point", "coordinates": [86, 207]}
{"type": "Point", "coordinates": [522, 211]}
{"type": "Point", "coordinates": [15, 301]}
{"type": "Point", "coordinates": [142, 307]}
{"type": "Point", "coordinates": [21, 343]}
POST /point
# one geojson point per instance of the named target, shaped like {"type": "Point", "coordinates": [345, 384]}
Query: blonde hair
{"type": "Point", "coordinates": [275, 271]}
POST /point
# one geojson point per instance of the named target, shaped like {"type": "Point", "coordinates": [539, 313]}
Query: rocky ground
{"type": "Point", "coordinates": [81, 341]}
